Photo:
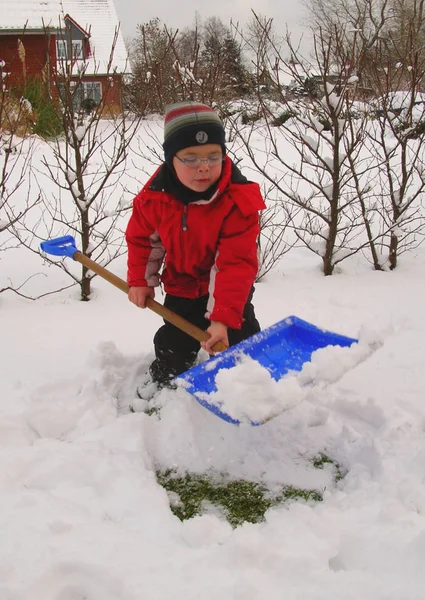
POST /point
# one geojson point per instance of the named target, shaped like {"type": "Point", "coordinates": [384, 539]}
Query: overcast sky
{"type": "Point", "coordinates": [178, 14]}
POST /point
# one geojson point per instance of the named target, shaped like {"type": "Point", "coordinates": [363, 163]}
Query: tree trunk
{"type": "Point", "coordinates": [393, 251]}
{"type": "Point", "coordinates": [85, 239]}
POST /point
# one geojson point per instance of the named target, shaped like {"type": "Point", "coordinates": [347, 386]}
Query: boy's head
{"type": "Point", "coordinates": [189, 124]}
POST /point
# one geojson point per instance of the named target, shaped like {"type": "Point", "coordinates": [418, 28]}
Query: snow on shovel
{"type": "Point", "coordinates": [282, 349]}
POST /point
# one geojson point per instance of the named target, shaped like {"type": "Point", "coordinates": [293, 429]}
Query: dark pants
{"type": "Point", "coordinates": [176, 351]}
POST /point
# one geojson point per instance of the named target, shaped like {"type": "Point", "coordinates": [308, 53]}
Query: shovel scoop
{"type": "Point", "coordinates": [281, 349]}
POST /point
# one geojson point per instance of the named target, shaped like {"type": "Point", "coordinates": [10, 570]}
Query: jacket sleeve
{"type": "Point", "coordinates": [236, 264]}
{"type": "Point", "coordinates": [145, 249]}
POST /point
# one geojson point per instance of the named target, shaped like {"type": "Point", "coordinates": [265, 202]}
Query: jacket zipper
{"type": "Point", "coordinates": [183, 229]}
{"type": "Point", "coordinates": [184, 219]}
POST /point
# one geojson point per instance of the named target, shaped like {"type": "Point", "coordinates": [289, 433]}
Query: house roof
{"type": "Point", "coordinates": [98, 17]}
{"type": "Point", "coordinates": [83, 31]}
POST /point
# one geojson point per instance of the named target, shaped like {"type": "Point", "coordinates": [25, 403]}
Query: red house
{"type": "Point", "coordinates": [42, 41]}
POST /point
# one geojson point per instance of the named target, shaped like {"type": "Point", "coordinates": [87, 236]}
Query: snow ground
{"type": "Point", "coordinates": [82, 516]}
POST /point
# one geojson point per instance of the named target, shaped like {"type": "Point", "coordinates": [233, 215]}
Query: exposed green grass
{"type": "Point", "coordinates": [152, 410]}
{"type": "Point", "coordinates": [239, 500]}
{"type": "Point", "coordinates": [320, 460]}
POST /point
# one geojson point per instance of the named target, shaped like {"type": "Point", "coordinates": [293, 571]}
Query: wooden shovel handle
{"type": "Point", "coordinates": [159, 309]}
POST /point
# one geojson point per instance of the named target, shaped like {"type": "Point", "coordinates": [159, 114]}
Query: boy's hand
{"type": "Point", "coordinates": [138, 295]}
{"type": "Point", "coordinates": [218, 333]}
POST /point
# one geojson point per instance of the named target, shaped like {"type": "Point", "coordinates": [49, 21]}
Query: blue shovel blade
{"type": "Point", "coordinates": [283, 347]}
{"type": "Point", "coordinates": [61, 246]}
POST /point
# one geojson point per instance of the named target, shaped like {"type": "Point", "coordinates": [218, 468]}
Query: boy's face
{"type": "Point", "coordinates": [199, 177]}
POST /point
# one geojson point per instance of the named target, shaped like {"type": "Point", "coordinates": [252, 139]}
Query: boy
{"type": "Point", "coordinates": [199, 214]}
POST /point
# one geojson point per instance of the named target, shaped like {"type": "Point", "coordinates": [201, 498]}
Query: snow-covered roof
{"type": "Point", "coordinates": [96, 16]}
{"type": "Point", "coordinates": [15, 14]}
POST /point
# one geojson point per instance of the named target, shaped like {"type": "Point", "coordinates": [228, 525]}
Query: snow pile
{"type": "Point", "coordinates": [248, 393]}
{"type": "Point", "coordinates": [328, 365]}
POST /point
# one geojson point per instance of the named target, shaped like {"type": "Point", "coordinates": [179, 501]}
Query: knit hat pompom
{"type": "Point", "coordinates": [191, 124]}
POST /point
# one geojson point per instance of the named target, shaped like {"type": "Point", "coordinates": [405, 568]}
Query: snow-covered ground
{"type": "Point", "coordinates": [82, 516]}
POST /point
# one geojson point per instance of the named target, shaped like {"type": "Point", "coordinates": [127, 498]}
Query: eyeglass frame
{"type": "Point", "coordinates": [199, 161]}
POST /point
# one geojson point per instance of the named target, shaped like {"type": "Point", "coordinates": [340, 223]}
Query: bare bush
{"type": "Point", "coordinates": [319, 182]}
{"type": "Point", "coordinates": [397, 135]}
{"type": "Point", "coordinates": [86, 165]}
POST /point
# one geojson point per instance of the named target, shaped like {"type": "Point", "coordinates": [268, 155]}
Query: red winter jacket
{"type": "Point", "coordinates": [209, 246]}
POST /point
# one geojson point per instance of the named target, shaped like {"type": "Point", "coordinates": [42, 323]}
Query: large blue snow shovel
{"type": "Point", "coordinates": [281, 348]}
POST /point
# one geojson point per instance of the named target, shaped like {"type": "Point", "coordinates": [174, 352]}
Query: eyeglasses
{"type": "Point", "coordinates": [194, 162]}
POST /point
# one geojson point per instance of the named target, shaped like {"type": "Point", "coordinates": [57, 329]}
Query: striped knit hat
{"type": "Point", "coordinates": [191, 124]}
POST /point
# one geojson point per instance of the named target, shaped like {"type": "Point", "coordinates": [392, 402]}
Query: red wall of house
{"type": "Point", "coordinates": [114, 95]}
{"type": "Point", "coordinates": [37, 49]}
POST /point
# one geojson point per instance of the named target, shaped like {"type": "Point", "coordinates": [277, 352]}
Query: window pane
{"type": "Point", "coordinates": [77, 49]}
{"type": "Point", "coordinates": [61, 48]}
{"type": "Point", "coordinates": [93, 90]}
{"type": "Point", "coordinates": [74, 94]}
